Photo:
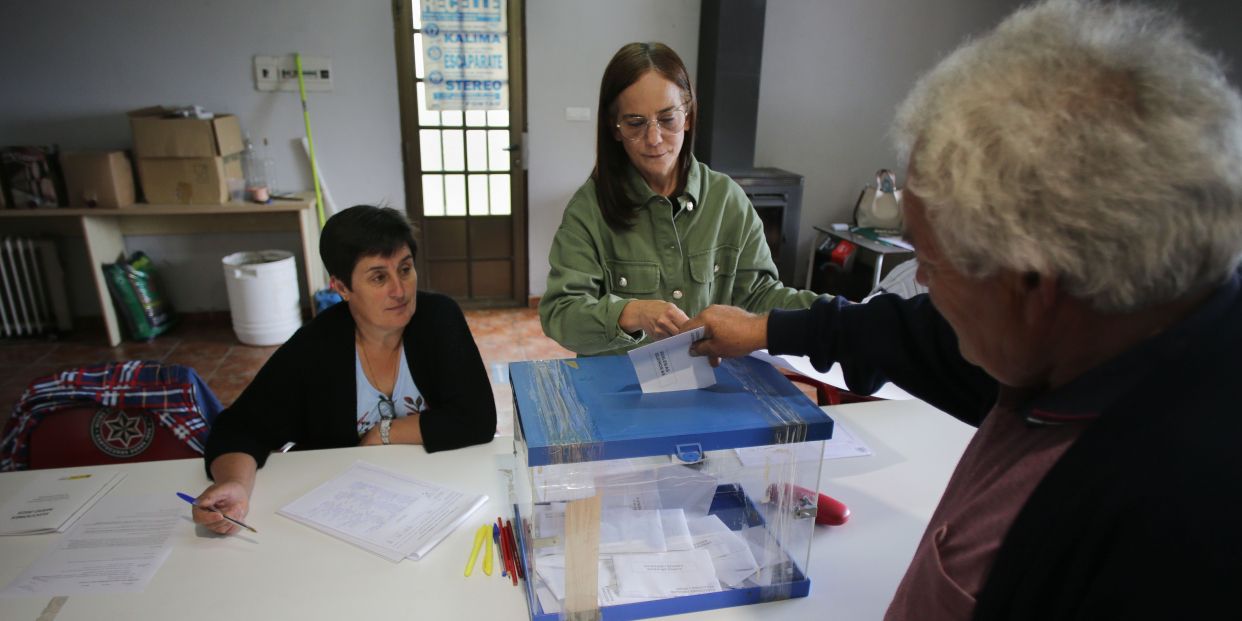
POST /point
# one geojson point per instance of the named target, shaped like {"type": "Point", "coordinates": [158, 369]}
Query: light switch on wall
{"type": "Point", "coordinates": [279, 73]}
{"type": "Point", "coordinates": [573, 113]}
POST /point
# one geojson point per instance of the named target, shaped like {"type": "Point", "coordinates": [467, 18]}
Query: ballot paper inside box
{"type": "Point", "coordinates": [683, 524]}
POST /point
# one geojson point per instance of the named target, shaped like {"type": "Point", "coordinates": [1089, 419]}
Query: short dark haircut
{"type": "Point", "coordinates": [363, 231]}
{"type": "Point", "coordinates": [627, 66]}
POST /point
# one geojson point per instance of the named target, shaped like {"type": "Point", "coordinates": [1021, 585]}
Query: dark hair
{"type": "Point", "coordinates": [363, 231]}
{"type": "Point", "coordinates": [630, 63]}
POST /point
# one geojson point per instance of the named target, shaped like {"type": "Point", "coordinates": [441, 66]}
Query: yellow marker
{"type": "Point", "coordinates": [474, 553]}
{"type": "Point", "coordinates": [487, 560]}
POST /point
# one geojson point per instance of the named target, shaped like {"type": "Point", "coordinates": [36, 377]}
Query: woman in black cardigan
{"type": "Point", "coordinates": [368, 371]}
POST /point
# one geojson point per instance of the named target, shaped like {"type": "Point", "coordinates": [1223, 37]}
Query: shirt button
{"type": "Point", "coordinates": [689, 205]}
{"type": "Point", "coordinates": [716, 268]}
{"type": "Point", "coordinates": [677, 294]}
{"type": "Point", "coordinates": [622, 281]}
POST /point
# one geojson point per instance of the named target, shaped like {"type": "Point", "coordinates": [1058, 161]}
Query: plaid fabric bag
{"type": "Point", "coordinates": [130, 401]}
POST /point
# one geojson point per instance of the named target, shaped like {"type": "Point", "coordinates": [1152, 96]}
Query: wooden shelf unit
{"type": "Point", "coordinates": [103, 231]}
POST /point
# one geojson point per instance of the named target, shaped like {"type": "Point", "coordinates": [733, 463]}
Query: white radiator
{"type": "Point", "coordinates": [32, 289]}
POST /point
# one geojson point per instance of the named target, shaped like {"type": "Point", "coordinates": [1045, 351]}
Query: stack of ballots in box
{"type": "Point", "coordinates": [682, 523]}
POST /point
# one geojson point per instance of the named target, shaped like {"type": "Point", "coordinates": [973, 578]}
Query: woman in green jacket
{"type": "Point", "coordinates": [654, 236]}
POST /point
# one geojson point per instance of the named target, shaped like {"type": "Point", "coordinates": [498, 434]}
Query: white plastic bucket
{"type": "Point", "coordinates": [263, 296]}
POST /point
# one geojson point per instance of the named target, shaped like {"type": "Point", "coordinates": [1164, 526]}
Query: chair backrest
{"type": "Point", "coordinates": [90, 435]}
{"type": "Point", "coordinates": [113, 412]}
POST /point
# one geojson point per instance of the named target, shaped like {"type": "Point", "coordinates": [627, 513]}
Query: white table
{"type": "Point", "coordinates": [289, 571]}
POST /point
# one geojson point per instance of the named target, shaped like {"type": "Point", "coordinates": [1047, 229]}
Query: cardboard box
{"type": "Point", "coordinates": [189, 180]}
{"type": "Point", "coordinates": [98, 179]}
{"type": "Point", "coordinates": [157, 136]}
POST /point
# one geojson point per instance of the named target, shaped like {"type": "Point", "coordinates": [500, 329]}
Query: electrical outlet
{"type": "Point", "coordinates": [574, 113]}
{"type": "Point", "coordinates": [279, 73]}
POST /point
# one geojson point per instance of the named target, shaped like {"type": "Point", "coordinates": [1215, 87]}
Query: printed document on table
{"type": "Point", "coordinates": [834, 377]}
{"type": "Point", "coordinates": [667, 365]}
{"type": "Point", "coordinates": [842, 444]}
{"type": "Point", "coordinates": [53, 501]}
{"type": "Point", "coordinates": [383, 512]}
{"type": "Point", "coordinates": [665, 574]}
{"type": "Point", "coordinates": [115, 548]}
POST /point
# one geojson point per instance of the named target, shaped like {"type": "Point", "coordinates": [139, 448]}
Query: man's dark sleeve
{"type": "Point", "coordinates": [889, 338]}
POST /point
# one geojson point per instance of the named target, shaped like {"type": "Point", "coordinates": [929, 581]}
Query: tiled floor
{"type": "Point", "coordinates": [503, 335]}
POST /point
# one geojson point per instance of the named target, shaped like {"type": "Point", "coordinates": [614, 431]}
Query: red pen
{"type": "Point", "coordinates": [508, 552]}
{"type": "Point", "coordinates": [517, 558]}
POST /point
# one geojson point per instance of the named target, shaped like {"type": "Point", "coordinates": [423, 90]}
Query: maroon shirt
{"type": "Point", "coordinates": [1001, 466]}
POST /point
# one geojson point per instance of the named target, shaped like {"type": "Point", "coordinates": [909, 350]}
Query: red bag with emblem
{"type": "Point", "coordinates": [91, 434]}
{"type": "Point", "coordinates": [114, 412]}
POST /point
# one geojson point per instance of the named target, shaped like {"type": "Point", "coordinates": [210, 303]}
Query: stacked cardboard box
{"type": "Point", "coordinates": [187, 160]}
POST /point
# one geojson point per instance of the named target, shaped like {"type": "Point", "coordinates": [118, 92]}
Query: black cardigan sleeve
{"type": "Point", "coordinates": [304, 393]}
{"type": "Point", "coordinates": [887, 339]}
{"type": "Point", "coordinates": [448, 369]}
{"type": "Point", "coordinates": [264, 416]}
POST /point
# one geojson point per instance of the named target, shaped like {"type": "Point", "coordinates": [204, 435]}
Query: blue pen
{"type": "Point", "coordinates": [194, 502]}
{"type": "Point", "coordinates": [496, 539]}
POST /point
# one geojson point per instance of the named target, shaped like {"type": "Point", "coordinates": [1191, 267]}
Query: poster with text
{"type": "Point", "coordinates": [465, 54]}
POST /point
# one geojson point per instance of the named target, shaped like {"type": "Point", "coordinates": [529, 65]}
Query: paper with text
{"type": "Point", "coordinates": [665, 574]}
{"type": "Point", "coordinates": [381, 511]}
{"type": "Point", "coordinates": [842, 444]}
{"type": "Point", "coordinates": [115, 548]}
{"type": "Point", "coordinates": [834, 377]}
{"type": "Point", "coordinates": [730, 554]}
{"type": "Point", "coordinates": [53, 501]}
{"type": "Point", "coordinates": [667, 365]}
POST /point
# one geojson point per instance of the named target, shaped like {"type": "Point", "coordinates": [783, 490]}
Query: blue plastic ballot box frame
{"type": "Point", "coordinates": [583, 428]}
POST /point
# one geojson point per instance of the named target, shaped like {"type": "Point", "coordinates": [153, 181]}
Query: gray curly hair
{"type": "Point", "coordinates": [1094, 142]}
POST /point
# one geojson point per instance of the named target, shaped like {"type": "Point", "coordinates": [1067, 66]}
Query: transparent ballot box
{"type": "Point", "coordinates": [632, 505]}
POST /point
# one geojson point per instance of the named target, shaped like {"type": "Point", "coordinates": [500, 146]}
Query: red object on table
{"type": "Point", "coordinates": [506, 552]}
{"type": "Point", "coordinates": [828, 510]}
{"type": "Point", "coordinates": [517, 558]}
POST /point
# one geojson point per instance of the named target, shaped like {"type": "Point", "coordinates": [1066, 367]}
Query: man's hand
{"type": "Point", "coordinates": [659, 319]}
{"type": "Point", "coordinates": [731, 332]}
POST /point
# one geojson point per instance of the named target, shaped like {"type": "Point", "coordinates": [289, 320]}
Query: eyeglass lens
{"type": "Point", "coordinates": [634, 127]}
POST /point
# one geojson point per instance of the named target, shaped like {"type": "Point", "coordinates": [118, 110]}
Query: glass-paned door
{"type": "Point", "coordinates": [465, 178]}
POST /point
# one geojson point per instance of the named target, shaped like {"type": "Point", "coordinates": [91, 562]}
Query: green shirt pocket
{"type": "Point", "coordinates": [719, 262]}
{"type": "Point", "coordinates": [633, 277]}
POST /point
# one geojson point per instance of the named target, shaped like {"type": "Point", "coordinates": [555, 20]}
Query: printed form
{"type": "Point", "coordinates": [383, 512]}
{"type": "Point", "coordinates": [53, 501]}
{"type": "Point", "coordinates": [665, 366]}
{"type": "Point", "coordinates": [115, 548]}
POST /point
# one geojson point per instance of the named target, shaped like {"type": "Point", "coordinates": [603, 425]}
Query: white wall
{"type": "Point", "coordinates": [72, 69]}
{"type": "Point", "coordinates": [833, 75]}
{"type": "Point", "coordinates": [568, 44]}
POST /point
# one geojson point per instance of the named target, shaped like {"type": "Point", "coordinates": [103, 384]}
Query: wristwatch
{"type": "Point", "coordinates": [384, 426]}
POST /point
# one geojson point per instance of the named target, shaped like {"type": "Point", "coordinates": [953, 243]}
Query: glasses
{"type": "Point", "coordinates": [387, 409]}
{"type": "Point", "coordinates": [634, 127]}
